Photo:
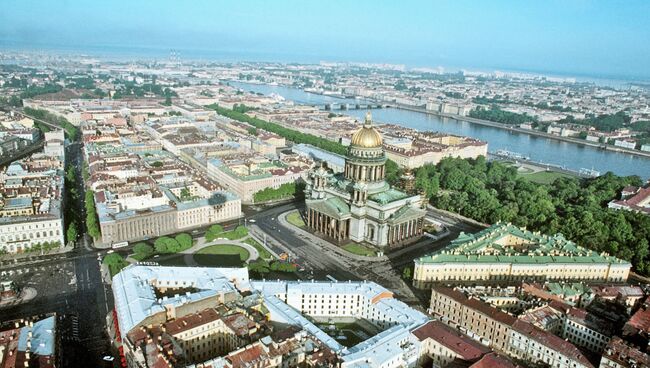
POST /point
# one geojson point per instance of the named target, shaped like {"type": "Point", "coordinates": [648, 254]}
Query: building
{"type": "Point", "coordinates": [147, 194]}
{"type": "Point", "coordinates": [637, 328]}
{"type": "Point", "coordinates": [371, 306]}
{"type": "Point", "coordinates": [247, 177]}
{"type": "Point", "coordinates": [633, 199]}
{"type": "Point", "coordinates": [625, 143]}
{"type": "Point", "coordinates": [581, 328]}
{"type": "Point", "coordinates": [441, 345]}
{"type": "Point", "coordinates": [359, 205]}
{"type": "Point", "coordinates": [30, 204]}
{"type": "Point", "coordinates": [333, 161]}
{"type": "Point", "coordinates": [472, 316]}
{"type": "Point", "coordinates": [493, 360]}
{"type": "Point", "coordinates": [431, 148]}
{"type": "Point", "coordinates": [502, 331]}
{"type": "Point", "coordinates": [30, 343]}
{"type": "Point", "coordinates": [54, 144]}
{"type": "Point", "coordinates": [217, 317]}
{"type": "Point", "coordinates": [504, 253]}
{"type": "Point", "coordinates": [618, 354]}
{"type": "Point", "coordinates": [532, 344]}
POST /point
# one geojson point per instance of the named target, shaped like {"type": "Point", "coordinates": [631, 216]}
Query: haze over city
{"type": "Point", "coordinates": [603, 39]}
{"type": "Point", "coordinates": [324, 184]}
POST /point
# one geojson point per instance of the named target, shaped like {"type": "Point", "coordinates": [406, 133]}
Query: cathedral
{"type": "Point", "coordinates": [358, 204]}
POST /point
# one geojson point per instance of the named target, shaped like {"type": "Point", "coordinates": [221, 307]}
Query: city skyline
{"type": "Point", "coordinates": [324, 184]}
{"type": "Point", "coordinates": [585, 38]}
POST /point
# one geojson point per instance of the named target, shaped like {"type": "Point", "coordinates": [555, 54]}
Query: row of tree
{"type": "Point", "coordinates": [71, 131]}
{"type": "Point", "coordinates": [129, 89]}
{"type": "Point", "coordinates": [72, 218]}
{"type": "Point", "coordinates": [392, 170]}
{"type": "Point", "coordinates": [92, 222]}
{"type": "Point", "coordinates": [286, 190]}
{"type": "Point", "coordinates": [216, 231]}
{"type": "Point", "coordinates": [501, 116]}
{"type": "Point", "coordinates": [290, 134]}
{"type": "Point", "coordinates": [491, 192]}
{"type": "Point", "coordinates": [179, 243]}
{"type": "Point", "coordinates": [604, 122]}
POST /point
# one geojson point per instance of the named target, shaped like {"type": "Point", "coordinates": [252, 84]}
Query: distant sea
{"type": "Point", "coordinates": [132, 53]}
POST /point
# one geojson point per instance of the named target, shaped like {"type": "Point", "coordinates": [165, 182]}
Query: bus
{"type": "Point", "coordinates": [120, 245]}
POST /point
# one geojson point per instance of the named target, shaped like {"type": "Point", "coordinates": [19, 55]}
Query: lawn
{"type": "Point", "coordinates": [294, 219]}
{"type": "Point", "coordinates": [264, 254]}
{"type": "Point", "coordinates": [360, 250]}
{"type": "Point", "coordinates": [545, 177]}
{"type": "Point", "coordinates": [225, 249]}
{"type": "Point", "coordinates": [115, 263]}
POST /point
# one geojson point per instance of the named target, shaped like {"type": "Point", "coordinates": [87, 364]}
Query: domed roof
{"type": "Point", "coordinates": [367, 136]}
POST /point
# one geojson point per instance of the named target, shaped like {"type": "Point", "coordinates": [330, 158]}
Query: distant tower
{"type": "Point", "coordinates": [174, 57]}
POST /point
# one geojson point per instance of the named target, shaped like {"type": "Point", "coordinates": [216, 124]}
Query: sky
{"type": "Point", "coordinates": [607, 39]}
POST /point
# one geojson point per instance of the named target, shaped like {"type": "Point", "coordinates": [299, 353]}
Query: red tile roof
{"type": "Point", "coordinates": [640, 320]}
{"type": "Point", "coordinates": [493, 360]}
{"type": "Point", "coordinates": [551, 341]}
{"type": "Point", "coordinates": [477, 305]}
{"type": "Point", "coordinates": [618, 351]}
{"type": "Point", "coordinates": [459, 343]}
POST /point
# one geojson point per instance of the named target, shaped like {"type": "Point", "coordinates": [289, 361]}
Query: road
{"type": "Point", "coordinates": [69, 284]}
{"type": "Point", "coordinates": [319, 261]}
{"type": "Point", "coordinates": [282, 240]}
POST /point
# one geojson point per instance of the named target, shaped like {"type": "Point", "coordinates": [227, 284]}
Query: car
{"type": "Point", "coordinates": [108, 358]}
{"type": "Point", "coordinates": [110, 252]}
{"type": "Point", "coordinates": [156, 256]}
{"type": "Point", "coordinates": [251, 221]}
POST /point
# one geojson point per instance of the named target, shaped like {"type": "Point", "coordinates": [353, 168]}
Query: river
{"type": "Point", "coordinates": [546, 150]}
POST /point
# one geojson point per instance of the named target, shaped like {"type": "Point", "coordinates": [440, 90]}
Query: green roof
{"type": "Point", "coordinates": [506, 243]}
{"type": "Point", "coordinates": [388, 196]}
{"type": "Point", "coordinates": [333, 207]}
{"type": "Point", "coordinates": [570, 289]}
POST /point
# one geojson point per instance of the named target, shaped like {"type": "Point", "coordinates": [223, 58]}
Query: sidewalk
{"type": "Point", "coordinates": [201, 243]}
{"type": "Point", "coordinates": [27, 255]}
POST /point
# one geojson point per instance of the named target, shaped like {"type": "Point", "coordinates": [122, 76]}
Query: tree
{"type": "Point", "coordinates": [184, 241]}
{"type": "Point", "coordinates": [185, 193]}
{"type": "Point", "coordinates": [407, 273]}
{"type": "Point", "coordinates": [165, 244]}
{"type": "Point", "coordinates": [91, 215]}
{"type": "Point", "coordinates": [115, 263]}
{"type": "Point", "coordinates": [213, 232]}
{"type": "Point", "coordinates": [490, 192]}
{"type": "Point", "coordinates": [71, 233]}
{"type": "Point", "coordinates": [259, 266]}
{"type": "Point", "coordinates": [145, 250]}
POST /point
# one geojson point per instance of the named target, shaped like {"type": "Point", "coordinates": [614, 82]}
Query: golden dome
{"type": "Point", "coordinates": [367, 136]}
